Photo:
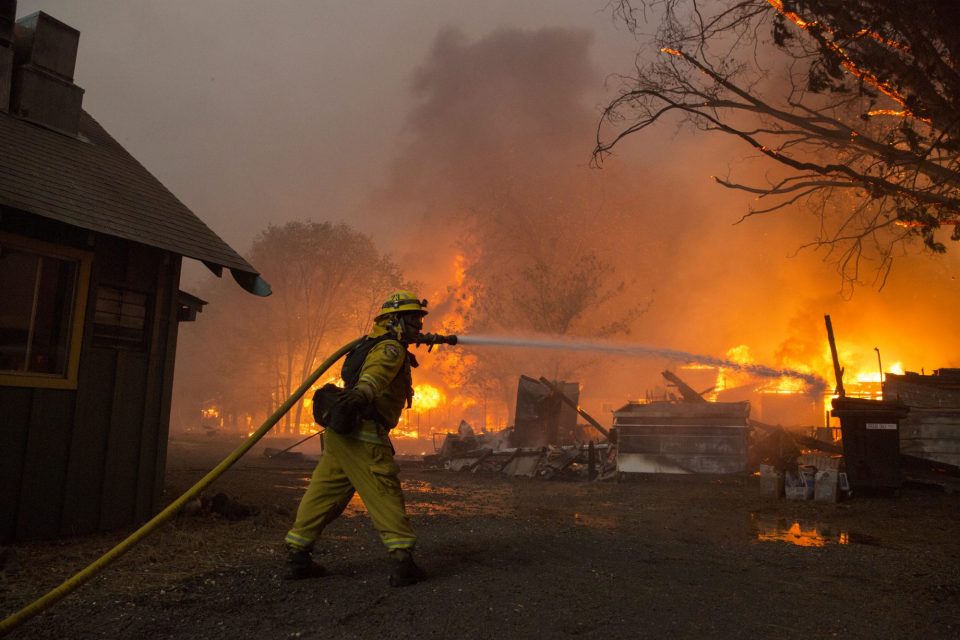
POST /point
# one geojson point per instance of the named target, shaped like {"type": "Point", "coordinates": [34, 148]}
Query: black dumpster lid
{"type": "Point", "coordinates": [861, 405]}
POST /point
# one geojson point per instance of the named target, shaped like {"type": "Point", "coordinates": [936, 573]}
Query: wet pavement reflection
{"type": "Point", "coordinates": [425, 498]}
{"type": "Point", "coordinates": [594, 521]}
{"type": "Point", "coordinates": [806, 534]}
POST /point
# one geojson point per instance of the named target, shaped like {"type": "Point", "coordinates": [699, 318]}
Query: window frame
{"type": "Point", "coordinates": [68, 380]}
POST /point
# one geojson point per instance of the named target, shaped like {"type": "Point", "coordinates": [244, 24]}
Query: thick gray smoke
{"type": "Point", "coordinates": [496, 166]}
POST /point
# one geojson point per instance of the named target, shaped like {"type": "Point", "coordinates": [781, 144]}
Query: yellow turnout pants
{"type": "Point", "coordinates": [349, 465]}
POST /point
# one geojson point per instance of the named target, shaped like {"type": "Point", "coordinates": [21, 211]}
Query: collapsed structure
{"type": "Point", "coordinates": [686, 436]}
{"type": "Point", "coordinates": [918, 424]}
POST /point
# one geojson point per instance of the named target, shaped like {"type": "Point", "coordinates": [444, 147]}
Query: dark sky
{"type": "Point", "coordinates": [258, 112]}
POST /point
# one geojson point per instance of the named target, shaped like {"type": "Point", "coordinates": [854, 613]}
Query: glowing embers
{"type": "Point", "coordinates": [596, 521]}
{"type": "Point", "coordinates": [804, 534]}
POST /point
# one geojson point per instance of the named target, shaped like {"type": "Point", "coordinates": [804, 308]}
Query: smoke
{"type": "Point", "coordinates": [495, 166]}
{"type": "Point", "coordinates": [495, 163]}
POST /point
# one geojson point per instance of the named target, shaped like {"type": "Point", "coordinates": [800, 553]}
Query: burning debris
{"type": "Point", "coordinates": [685, 433]}
{"type": "Point", "coordinates": [546, 441]}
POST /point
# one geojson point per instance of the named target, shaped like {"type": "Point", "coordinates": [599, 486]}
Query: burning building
{"type": "Point", "coordinates": [91, 246]}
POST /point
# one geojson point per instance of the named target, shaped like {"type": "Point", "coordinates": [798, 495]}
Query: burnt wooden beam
{"type": "Point", "coordinates": [556, 390]}
{"type": "Point", "coordinates": [689, 393]}
{"type": "Point", "coordinates": [837, 369]}
{"type": "Point", "coordinates": [810, 443]}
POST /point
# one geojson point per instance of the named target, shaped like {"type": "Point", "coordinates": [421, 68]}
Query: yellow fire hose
{"type": "Point", "coordinates": [13, 621]}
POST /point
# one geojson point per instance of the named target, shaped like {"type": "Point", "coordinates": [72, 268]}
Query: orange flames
{"type": "Point", "coordinates": [849, 65]}
{"type": "Point", "coordinates": [426, 397]}
{"type": "Point", "coordinates": [862, 378]}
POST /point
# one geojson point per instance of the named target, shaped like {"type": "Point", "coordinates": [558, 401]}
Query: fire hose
{"type": "Point", "coordinates": [14, 620]}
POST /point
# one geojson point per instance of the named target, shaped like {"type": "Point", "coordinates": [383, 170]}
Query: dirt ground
{"type": "Point", "coordinates": [655, 557]}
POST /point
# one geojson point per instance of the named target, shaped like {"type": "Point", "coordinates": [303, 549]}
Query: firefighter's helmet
{"type": "Point", "coordinates": [402, 302]}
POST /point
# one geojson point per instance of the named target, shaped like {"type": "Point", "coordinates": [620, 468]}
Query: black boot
{"type": "Point", "coordinates": [405, 570]}
{"type": "Point", "coordinates": [301, 566]}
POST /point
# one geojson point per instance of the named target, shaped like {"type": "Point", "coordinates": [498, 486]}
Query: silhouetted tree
{"type": "Point", "coordinates": [857, 102]}
{"type": "Point", "coordinates": [531, 273]}
{"type": "Point", "coordinates": [328, 281]}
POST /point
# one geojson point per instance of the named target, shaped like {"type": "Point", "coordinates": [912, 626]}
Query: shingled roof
{"type": "Point", "coordinates": [91, 182]}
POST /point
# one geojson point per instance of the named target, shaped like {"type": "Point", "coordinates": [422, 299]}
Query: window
{"type": "Point", "coordinates": [40, 312]}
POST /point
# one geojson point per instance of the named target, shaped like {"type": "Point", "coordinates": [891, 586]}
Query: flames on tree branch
{"type": "Point", "coordinates": [857, 105]}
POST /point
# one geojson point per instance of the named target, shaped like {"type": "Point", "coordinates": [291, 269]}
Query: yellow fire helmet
{"type": "Point", "coordinates": [400, 301]}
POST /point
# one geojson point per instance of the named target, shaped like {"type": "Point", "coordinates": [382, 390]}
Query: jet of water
{"type": "Point", "coordinates": [816, 383]}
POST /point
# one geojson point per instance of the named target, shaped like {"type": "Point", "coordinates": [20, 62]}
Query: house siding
{"type": "Point", "coordinates": [78, 461]}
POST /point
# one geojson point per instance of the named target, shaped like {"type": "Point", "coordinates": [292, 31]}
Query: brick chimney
{"type": "Point", "coordinates": [45, 54]}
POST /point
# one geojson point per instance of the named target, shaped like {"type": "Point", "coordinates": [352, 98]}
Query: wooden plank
{"type": "Point", "coordinates": [85, 470]}
{"type": "Point", "coordinates": [933, 430]}
{"type": "Point", "coordinates": [566, 400]}
{"type": "Point", "coordinates": [123, 444]}
{"type": "Point", "coordinates": [97, 376]}
{"type": "Point", "coordinates": [45, 463]}
{"type": "Point", "coordinates": [14, 427]}
{"type": "Point", "coordinates": [167, 392]}
{"type": "Point", "coordinates": [159, 381]}
{"type": "Point", "coordinates": [915, 394]}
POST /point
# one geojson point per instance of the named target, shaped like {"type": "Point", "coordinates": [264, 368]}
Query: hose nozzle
{"type": "Point", "coordinates": [433, 339]}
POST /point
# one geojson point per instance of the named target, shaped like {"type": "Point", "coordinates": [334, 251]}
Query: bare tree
{"type": "Point", "coordinates": [327, 279]}
{"type": "Point", "coordinates": [857, 104]}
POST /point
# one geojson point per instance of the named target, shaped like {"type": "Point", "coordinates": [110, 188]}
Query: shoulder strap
{"type": "Point", "coordinates": [353, 364]}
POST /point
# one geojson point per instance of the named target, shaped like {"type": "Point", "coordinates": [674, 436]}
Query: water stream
{"type": "Point", "coordinates": [816, 382]}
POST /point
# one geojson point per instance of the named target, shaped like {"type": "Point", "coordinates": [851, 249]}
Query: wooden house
{"type": "Point", "coordinates": [91, 246]}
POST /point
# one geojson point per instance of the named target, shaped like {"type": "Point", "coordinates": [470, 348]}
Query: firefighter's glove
{"type": "Point", "coordinates": [354, 400]}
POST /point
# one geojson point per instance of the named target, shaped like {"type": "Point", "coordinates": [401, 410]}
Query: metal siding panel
{"type": "Point", "coordinates": [123, 445]}
{"type": "Point", "coordinates": [673, 448]}
{"type": "Point", "coordinates": [45, 463]}
{"type": "Point", "coordinates": [15, 403]}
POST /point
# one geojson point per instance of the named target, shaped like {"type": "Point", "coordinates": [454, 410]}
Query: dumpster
{"type": "Point", "coordinates": [682, 437]}
{"type": "Point", "coordinates": [870, 430]}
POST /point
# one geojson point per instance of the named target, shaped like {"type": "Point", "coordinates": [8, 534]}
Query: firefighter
{"type": "Point", "coordinates": [379, 384]}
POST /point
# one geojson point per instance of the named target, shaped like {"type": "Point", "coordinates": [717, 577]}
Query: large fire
{"type": "Point", "coordinates": [861, 379]}
{"type": "Point", "coordinates": [426, 397]}
{"type": "Point", "coordinates": [441, 399]}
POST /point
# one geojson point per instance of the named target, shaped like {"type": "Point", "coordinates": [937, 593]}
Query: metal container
{"type": "Point", "coordinates": [665, 437]}
{"type": "Point", "coordinates": [870, 430]}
